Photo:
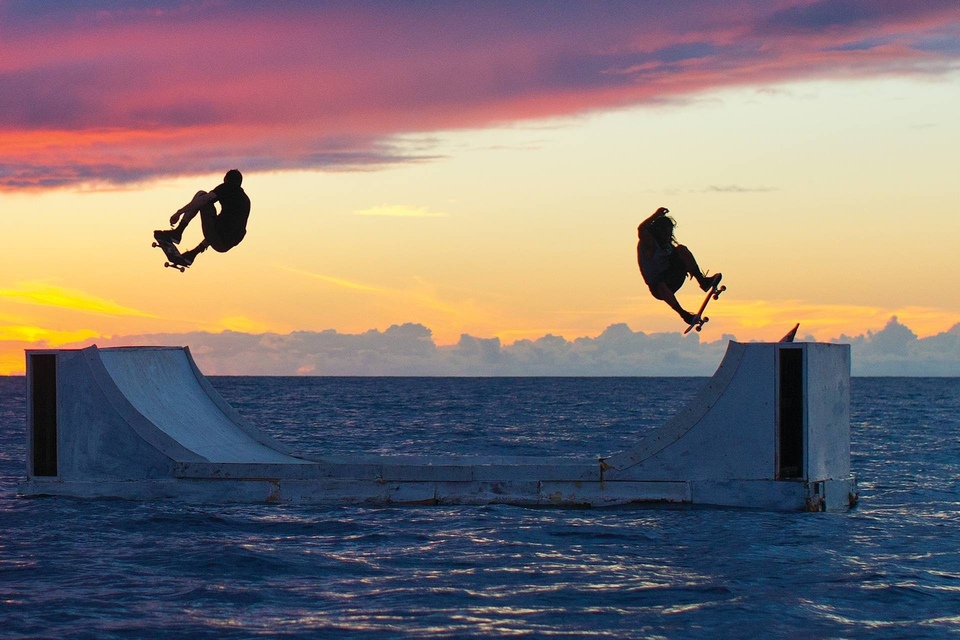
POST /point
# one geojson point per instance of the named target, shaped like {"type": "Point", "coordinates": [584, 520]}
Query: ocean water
{"type": "Point", "coordinates": [119, 569]}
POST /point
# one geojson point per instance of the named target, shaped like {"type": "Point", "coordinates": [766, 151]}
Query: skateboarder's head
{"type": "Point", "coordinates": [662, 229]}
{"type": "Point", "coordinates": [233, 177]}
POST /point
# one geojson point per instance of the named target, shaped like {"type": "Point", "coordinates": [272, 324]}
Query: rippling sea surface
{"type": "Point", "coordinates": [120, 569]}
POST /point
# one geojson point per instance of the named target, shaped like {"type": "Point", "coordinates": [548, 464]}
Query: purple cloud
{"type": "Point", "coordinates": [107, 91]}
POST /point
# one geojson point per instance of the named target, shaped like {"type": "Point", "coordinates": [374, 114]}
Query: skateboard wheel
{"type": "Point", "coordinates": [699, 328]}
{"type": "Point", "coordinates": [154, 245]}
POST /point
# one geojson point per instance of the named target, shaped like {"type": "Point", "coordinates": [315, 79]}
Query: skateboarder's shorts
{"type": "Point", "coordinates": [673, 277]}
{"type": "Point", "coordinates": [214, 232]}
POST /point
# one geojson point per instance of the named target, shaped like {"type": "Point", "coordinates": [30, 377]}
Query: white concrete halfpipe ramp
{"type": "Point", "coordinates": [769, 430]}
{"type": "Point", "coordinates": [165, 387]}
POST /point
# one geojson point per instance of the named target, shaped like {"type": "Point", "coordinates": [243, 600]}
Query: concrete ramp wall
{"type": "Point", "coordinates": [165, 387]}
{"type": "Point", "coordinates": [129, 414]}
{"type": "Point", "coordinates": [769, 430]}
{"type": "Point", "coordinates": [772, 411]}
{"type": "Point", "coordinates": [659, 452]}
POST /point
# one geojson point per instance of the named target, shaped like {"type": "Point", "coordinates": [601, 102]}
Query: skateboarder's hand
{"type": "Point", "coordinates": [175, 218]}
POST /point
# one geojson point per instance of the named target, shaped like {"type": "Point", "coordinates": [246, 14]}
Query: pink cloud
{"type": "Point", "coordinates": [102, 92]}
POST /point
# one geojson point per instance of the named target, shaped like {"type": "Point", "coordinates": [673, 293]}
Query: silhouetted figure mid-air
{"type": "Point", "coordinates": [665, 264]}
{"type": "Point", "coordinates": [221, 231]}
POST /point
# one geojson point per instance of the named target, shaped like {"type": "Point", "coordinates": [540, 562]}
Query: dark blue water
{"type": "Point", "coordinates": [115, 569]}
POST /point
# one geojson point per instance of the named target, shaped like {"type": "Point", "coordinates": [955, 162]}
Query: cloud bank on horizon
{"type": "Point", "coordinates": [110, 92]}
{"type": "Point", "coordinates": [410, 350]}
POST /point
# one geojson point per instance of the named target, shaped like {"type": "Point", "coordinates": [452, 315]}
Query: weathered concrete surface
{"type": "Point", "coordinates": [143, 423]}
{"type": "Point", "coordinates": [166, 388]}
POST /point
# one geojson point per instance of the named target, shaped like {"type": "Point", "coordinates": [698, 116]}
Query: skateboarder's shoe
{"type": "Point", "coordinates": [708, 282]}
{"type": "Point", "coordinates": [167, 235]}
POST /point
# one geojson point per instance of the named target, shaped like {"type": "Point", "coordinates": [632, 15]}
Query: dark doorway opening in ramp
{"type": "Point", "coordinates": [43, 413]}
{"type": "Point", "coordinates": [791, 414]}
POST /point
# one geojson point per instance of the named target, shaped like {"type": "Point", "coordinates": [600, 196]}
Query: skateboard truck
{"type": "Point", "coordinates": [174, 259]}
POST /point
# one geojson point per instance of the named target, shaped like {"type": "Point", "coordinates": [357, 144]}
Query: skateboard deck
{"type": "Point", "coordinates": [699, 319]}
{"type": "Point", "coordinates": [174, 259]}
{"type": "Point", "coordinates": [791, 335]}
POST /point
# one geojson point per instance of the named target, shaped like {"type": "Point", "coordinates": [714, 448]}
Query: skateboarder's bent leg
{"type": "Point", "coordinates": [211, 235]}
{"type": "Point", "coordinates": [189, 213]}
{"type": "Point", "coordinates": [665, 285]}
{"type": "Point", "coordinates": [690, 263]}
{"type": "Point", "coordinates": [662, 291]}
{"type": "Point", "coordinates": [211, 232]}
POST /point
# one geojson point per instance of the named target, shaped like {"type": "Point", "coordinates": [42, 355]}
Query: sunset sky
{"type": "Point", "coordinates": [478, 167]}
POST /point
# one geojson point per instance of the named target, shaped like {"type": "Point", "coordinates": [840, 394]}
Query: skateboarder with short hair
{"type": "Point", "coordinates": [665, 264]}
{"type": "Point", "coordinates": [221, 231]}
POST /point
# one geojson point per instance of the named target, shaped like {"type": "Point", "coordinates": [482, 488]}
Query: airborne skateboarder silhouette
{"type": "Point", "coordinates": [221, 231]}
{"type": "Point", "coordinates": [665, 264]}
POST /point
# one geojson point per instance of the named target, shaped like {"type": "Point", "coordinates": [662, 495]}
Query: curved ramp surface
{"type": "Point", "coordinates": [688, 417]}
{"type": "Point", "coordinates": [163, 385]}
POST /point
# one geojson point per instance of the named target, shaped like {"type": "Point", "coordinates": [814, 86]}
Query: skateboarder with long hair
{"type": "Point", "coordinates": [665, 264]}
{"type": "Point", "coordinates": [221, 231]}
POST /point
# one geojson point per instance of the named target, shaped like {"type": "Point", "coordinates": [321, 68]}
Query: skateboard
{"type": "Point", "coordinates": [174, 259]}
{"type": "Point", "coordinates": [791, 335]}
{"type": "Point", "coordinates": [699, 319]}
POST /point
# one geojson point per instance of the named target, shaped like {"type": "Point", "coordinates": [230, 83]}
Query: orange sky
{"type": "Point", "coordinates": [478, 169]}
